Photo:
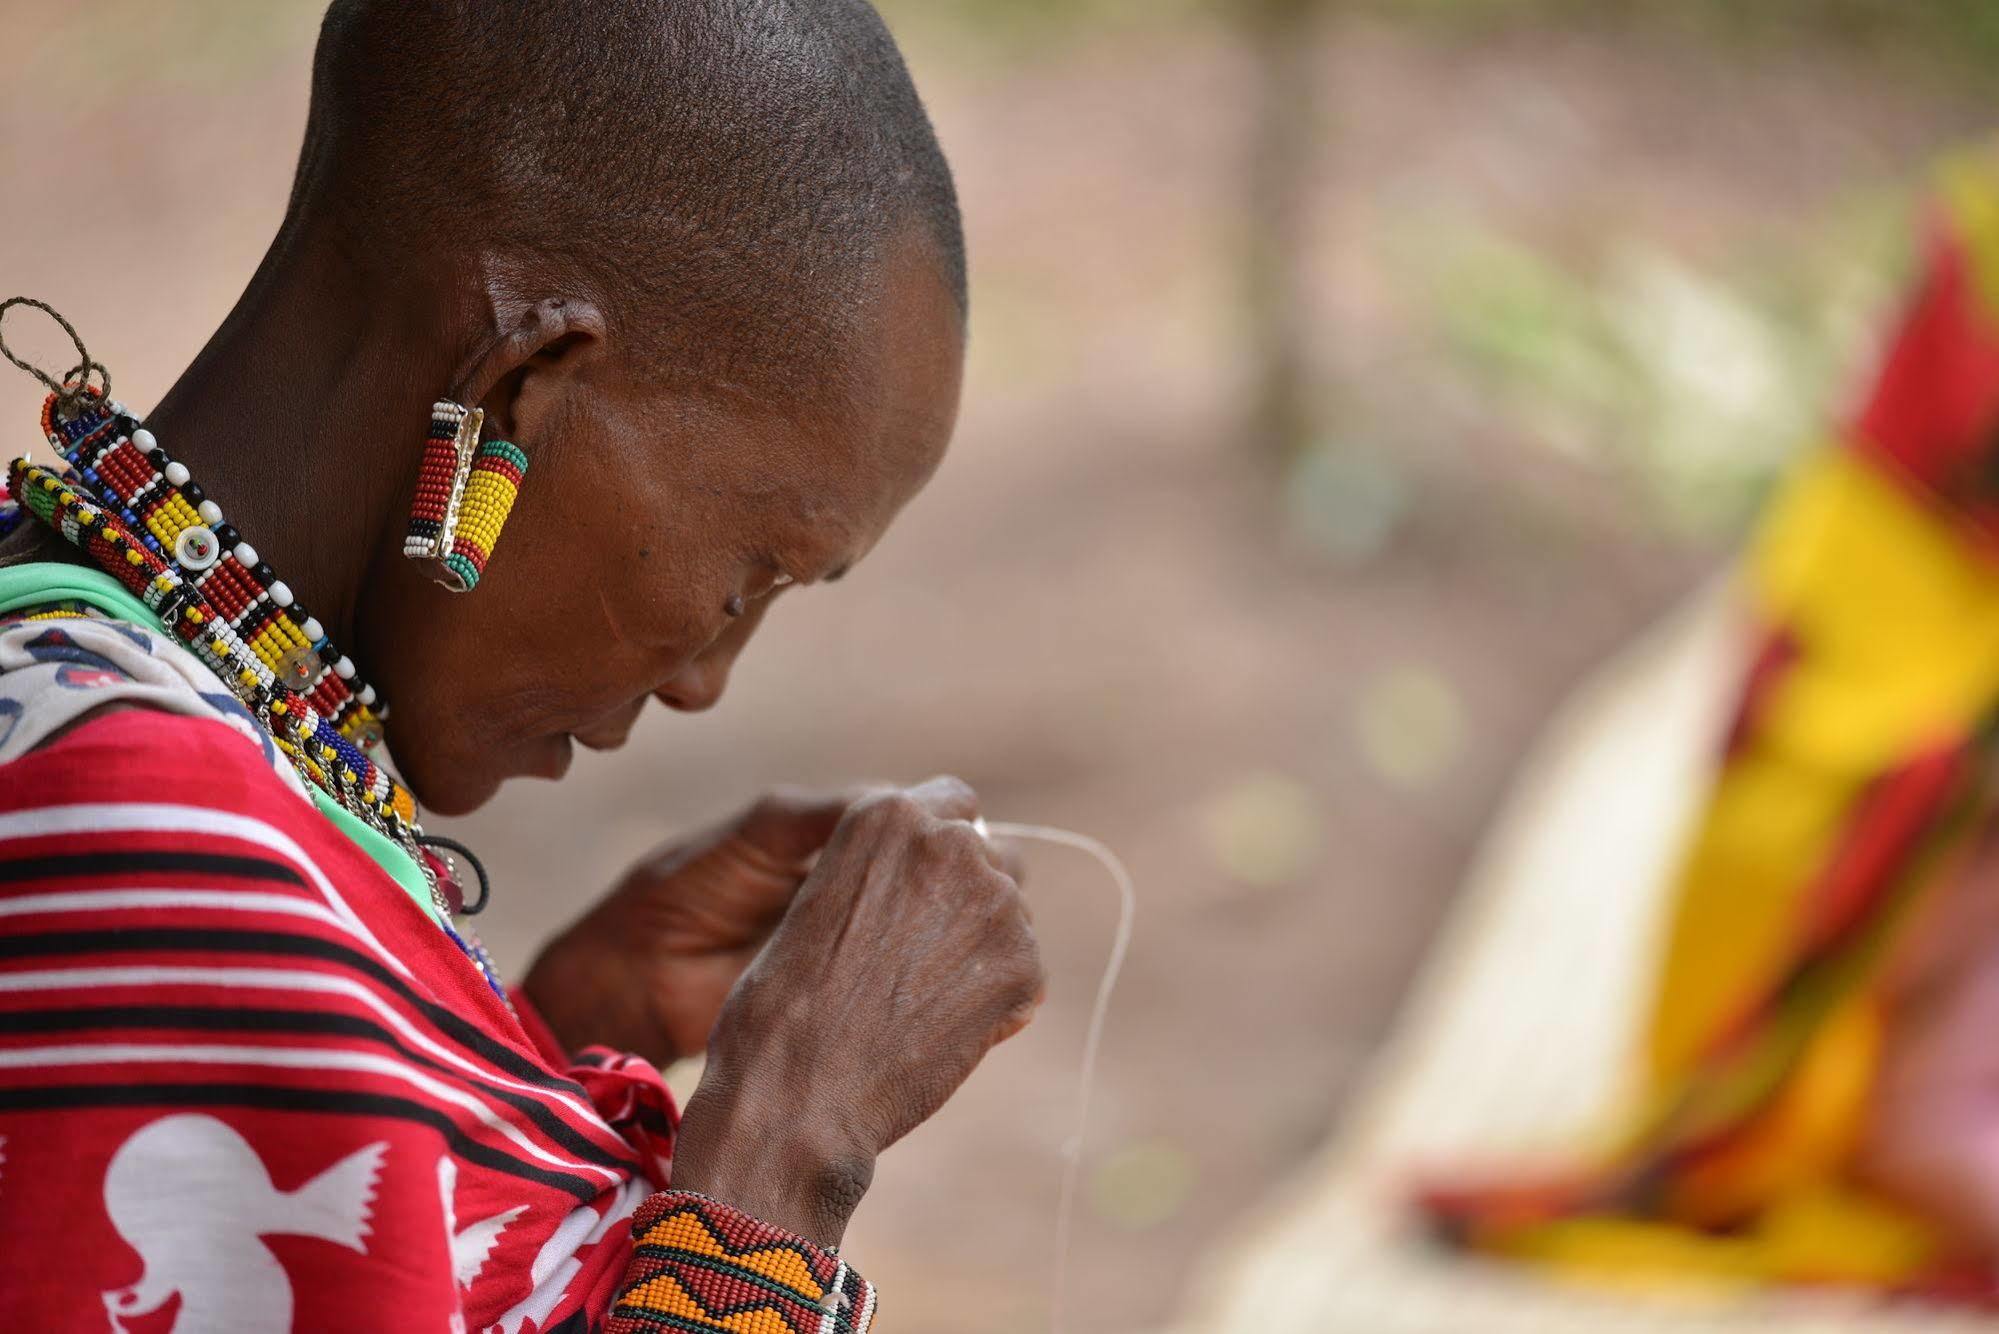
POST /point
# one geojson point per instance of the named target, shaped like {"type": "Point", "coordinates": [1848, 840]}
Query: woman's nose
{"type": "Point", "coordinates": [698, 685]}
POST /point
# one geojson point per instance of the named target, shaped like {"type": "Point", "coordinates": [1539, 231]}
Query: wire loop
{"type": "Point", "coordinates": [463, 853]}
{"type": "Point", "coordinates": [73, 390]}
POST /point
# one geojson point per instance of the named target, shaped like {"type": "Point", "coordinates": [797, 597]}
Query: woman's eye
{"type": "Point", "coordinates": [737, 602]}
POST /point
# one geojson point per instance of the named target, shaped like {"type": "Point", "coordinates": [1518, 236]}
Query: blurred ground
{"type": "Point", "coordinates": [1574, 291]}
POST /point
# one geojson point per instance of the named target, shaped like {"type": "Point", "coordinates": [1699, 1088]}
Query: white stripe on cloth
{"type": "Point", "coordinates": [293, 980]}
{"type": "Point", "coordinates": [114, 900]}
{"type": "Point", "coordinates": [279, 1058]}
{"type": "Point", "coordinates": [129, 817]}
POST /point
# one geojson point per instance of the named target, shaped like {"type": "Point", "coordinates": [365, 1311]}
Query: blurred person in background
{"type": "Point", "coordinates": [696, 270]}
{"type": "Point", "coordinates": [1818, 1070]}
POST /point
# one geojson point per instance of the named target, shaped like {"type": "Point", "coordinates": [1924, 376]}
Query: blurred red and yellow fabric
{"type": "Point", "coordinates": [1851, 783]}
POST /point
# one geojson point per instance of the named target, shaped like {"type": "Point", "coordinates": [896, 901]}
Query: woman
{"type": "Point", "coordinates": [589, 332]}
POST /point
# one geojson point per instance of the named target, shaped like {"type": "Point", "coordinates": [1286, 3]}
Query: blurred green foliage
{"type": "Point", "coordinates": [1697, 383]}
{"type": "Point", "coordinates": [1032, 27]}
{"type": "Point", "coordinates": [1696, 380]}
{"type": "Point", "coordinates": [1964, 31]}
{"type": "Point", "coordinates": [1963, 34]}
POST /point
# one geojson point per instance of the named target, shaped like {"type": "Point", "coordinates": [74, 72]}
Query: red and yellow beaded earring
{"type": "Point", "coordinates": [465, 489]}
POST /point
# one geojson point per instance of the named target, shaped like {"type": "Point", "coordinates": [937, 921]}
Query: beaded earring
{"type": "Point", "coordinates": [465, 490]}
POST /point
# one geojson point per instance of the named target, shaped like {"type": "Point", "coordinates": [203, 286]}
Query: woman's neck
{"type": "Point", "coordinates": [293, 420]}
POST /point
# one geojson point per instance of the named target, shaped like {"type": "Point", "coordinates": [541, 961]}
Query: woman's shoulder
{"type": "Point", "coordinates": [64, 661]}
{"type": "Point", "coordinates": [203, 976]}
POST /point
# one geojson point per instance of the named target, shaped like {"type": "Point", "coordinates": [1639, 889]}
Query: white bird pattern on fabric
{"type": "Point", "coordinates": [470, 1247]}
{"type": "Point", "coordinates": [194, 1199]}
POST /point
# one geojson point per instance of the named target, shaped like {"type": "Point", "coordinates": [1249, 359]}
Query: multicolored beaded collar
{"type": "Point", "coordinates": [139, 514]}
{"type": "Point", "coordinates": [142, 517]}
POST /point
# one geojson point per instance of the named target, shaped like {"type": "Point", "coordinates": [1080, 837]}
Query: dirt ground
{"type": "Point", "coordinates": [1094, 614]}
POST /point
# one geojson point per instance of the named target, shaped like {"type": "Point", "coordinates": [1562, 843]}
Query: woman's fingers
{"type": "Point", "coordinates": [908, 954]}
{"type": "Point", "coordinates": [947, 798]}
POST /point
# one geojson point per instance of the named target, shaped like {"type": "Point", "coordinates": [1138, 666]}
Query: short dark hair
{"type": "Point", "coordinates": [729, 172]}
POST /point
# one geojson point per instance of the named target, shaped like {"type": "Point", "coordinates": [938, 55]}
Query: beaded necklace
{"type": "Point", "coordinates": [140, 516]}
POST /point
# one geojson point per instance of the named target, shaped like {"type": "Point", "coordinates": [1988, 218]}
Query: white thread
{"type": "Point", "coordinates": [1072, 1170]}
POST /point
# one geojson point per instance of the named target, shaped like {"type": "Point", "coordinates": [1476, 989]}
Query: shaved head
{"type": "Point", "coordinates": [699, 261]}
{"type": "Point", "coordinates": [727, 177]}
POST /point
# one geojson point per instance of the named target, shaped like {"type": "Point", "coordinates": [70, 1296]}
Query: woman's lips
{"type": "Point", "coordinates": [551, 756]}
{"type": "Point", "coordinates": [610, 731]}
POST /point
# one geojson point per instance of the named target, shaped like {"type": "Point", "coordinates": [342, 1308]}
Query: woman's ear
{"type": "Point", "coordinates": [531, 370]}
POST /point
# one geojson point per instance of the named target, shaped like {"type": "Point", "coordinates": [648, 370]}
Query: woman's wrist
{"type": "Point", "coordinates": [764, 1156]}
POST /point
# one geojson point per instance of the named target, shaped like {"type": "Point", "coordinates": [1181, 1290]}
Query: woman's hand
{"type": "Point", "coordinates": [906, 957]}
{"type": "Point", "coordinates": [647, 969]}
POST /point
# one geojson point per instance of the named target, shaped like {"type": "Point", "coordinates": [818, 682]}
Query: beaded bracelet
{"type": "Point", "coordinates": [699, 1264]}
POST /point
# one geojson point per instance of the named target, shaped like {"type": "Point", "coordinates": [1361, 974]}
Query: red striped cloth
{"type": "Point", "coordinates": [246, 1083]}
